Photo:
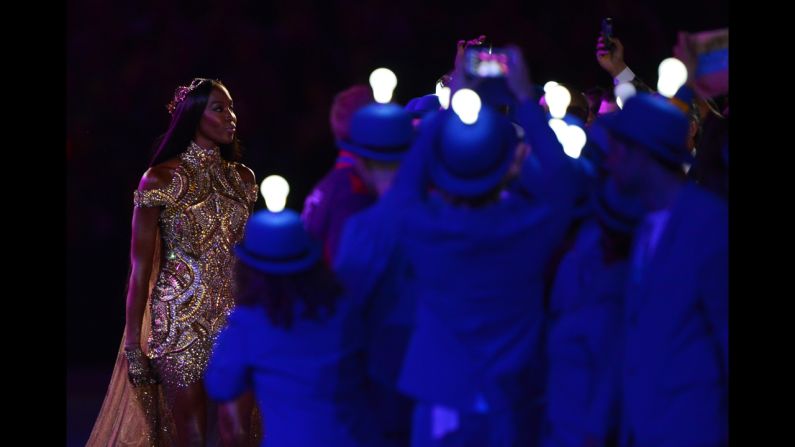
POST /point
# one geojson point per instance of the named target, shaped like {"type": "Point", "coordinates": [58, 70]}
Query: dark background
{"type": "Point", "coordinates": [283, 62]}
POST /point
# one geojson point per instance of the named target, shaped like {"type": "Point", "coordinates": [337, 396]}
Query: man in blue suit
{"type": "Point", "coordinates": [295, 341]}
{"type": "Point", "coordinates": [474, 256]}
{"type": "Point", "coordinates": [585, 328]}
{"type": "Point", "coordinates": [379, 137]}
{"type": "Point", "coordinates": [675, 371]}
{"type": "Point", "coordinates": [372, 139]}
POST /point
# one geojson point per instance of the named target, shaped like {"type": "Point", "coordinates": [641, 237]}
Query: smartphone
{"type": "Point", "coordinates": [486, 62]}
{"type": "Point", "coordinates": [607, 33]}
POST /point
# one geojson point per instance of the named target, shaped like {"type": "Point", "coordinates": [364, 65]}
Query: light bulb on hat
{"type": "Point", "coordinates": [623, 92]}
{"type": "Point", "coordinates": [558, 99]}
{"type": "Point", "coordinates": [574, 139]}
{"type": "Point", "coordinates": [548, 86]}
{"type": "Point", "coordinates": [383, 81]}
{"type": "Point", "coordinates": [275, 189]}
{"type": "Point", "coordinates": [443, 93]}
{"type": "Point", "coordinates": [466, 104]}
{"type": "Point", "coordinates": [672, 75]}
{"type": "Point", "coordinates": [570, 136]}
{"type": "Point", "coordinates": [557, 125]}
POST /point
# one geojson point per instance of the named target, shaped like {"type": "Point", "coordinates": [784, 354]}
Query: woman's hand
{"type": "Point", "coordinates": [139, 371]}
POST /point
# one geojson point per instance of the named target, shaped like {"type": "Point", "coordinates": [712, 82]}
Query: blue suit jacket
{"type": "Point", "coordinates": [371, 266]}
{"type": "Point", "coordinates": [675, 371]}
{"type": "Point", "coordinates": [477, 278]}
{"type": "Point", "coordinates": [309, 380]}
{"type": "Point", "coordinates": [478, 281]}
{"type": "Point", "coordinates": [584, 343]}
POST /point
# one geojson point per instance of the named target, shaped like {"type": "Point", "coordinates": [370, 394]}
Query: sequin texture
{"type": "Point", "coordinates": [204, 211]}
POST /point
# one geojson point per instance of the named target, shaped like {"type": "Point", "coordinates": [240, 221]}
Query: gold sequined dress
{"type": "Point", "coordinates": [204, 209]}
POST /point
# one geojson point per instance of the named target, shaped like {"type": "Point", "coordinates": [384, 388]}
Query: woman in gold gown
{"type": "Point", "coordinates": [190, 210]}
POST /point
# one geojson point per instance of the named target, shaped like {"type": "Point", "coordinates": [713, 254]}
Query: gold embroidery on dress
{"type": "Point", "coordinates": [205, 208]}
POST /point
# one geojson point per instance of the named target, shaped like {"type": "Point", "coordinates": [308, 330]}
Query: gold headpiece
{"type": "Point", "coordinates": [182, 92]}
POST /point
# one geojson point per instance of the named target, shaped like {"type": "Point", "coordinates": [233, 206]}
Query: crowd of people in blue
{"type": "Point", "coordinates": [460, 282]}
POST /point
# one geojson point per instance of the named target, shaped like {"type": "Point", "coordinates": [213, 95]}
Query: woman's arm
{"type": "Point", "coordinates": [142, 248]}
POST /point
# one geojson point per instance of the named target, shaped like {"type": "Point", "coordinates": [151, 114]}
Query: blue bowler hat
{"type": "Point", "coordinates": [598, 137]}
{"type": "Point", "coordinates": [615, 210]}
{"type": "Point", "coordinates": [685, 94]}
{"type": "Point", "coordinates": [380, 132]}
{"type": "Point", "coordinates": [653, 123]}
{"type": "Point", "coordinates": [585, 182]}
{"type": "Point", "coordinates": [472, 159]}
{"type": "Point", "coordinates": [277, 243]}
{"type": "Point", "coordinates": [422, 105]}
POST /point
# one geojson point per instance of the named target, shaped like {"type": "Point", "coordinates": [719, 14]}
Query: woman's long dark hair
{"type": "Point", "coordinates": [184, 122]}
{"type": "Point", "coordinates": [316, 289]}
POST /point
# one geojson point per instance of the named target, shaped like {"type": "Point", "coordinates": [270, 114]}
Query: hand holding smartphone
{"type": "Point", "coordinates": [482, 62]}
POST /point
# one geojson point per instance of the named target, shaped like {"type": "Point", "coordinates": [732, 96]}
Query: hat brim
{"type": "Point", "coordinates": [280, 267]}
{"type": "Point", "coordinates": [421, 106]}
{"type": "Point", "coordinates": [468, 187]}
{"type": "Point", "coordinates": [598, 137]}
{"type": "Point", "coordinates": [610, 218]}
{"type": "Point", "coordinates": [374, 155]}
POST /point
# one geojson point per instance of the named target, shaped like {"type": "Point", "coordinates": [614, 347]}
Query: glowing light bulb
{"type": "Point", "coordinates": [559, 126]}
{"type": "Point", "coordinates": [548, 86]}
{"type": "Point", "coordinates": [466, 104]}
{"type": "Point", "coordinates": [574, 139]}
{"type": "Point", "coordinates": [623, 92]}
{"type": "Point", "coordinates": [443, 93]}
{"type": "Point", "coordinates": [383, 81]}
{"type": "Point", "coordinates": [275, 189]}
{"type": "Point", "coordinates": [558, 99]}
{"type": "Point", "coordinates": [570, 136]}
{"type": "Point", "coordinates": [672, 75]}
